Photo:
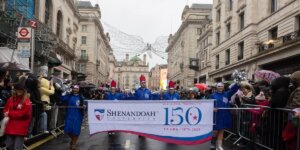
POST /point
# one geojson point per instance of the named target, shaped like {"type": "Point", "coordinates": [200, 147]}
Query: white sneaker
{"type": "Point", "coordinates": [220, 148]}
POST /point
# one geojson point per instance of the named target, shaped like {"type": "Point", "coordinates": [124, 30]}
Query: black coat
{"type": "Point", "coordinates": [280, 92]}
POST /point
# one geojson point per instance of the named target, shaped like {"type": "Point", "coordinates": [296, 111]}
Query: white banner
{"type": "Point", "coordinates": [180, 122]}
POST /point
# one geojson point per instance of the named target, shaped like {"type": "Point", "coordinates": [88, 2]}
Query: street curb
{"type": "Point", "coordinates": [41, 142]}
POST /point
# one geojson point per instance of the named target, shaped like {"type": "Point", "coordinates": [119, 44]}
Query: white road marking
{"type": "Point", "coordinates": [127, 144]}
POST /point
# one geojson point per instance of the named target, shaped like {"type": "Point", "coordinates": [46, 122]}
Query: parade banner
{"type": "Point", "coordinates": [179, 122]}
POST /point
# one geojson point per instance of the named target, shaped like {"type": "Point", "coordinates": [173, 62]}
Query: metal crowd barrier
{"type": "Point", "coordinates": [55, 122]}
{"type": "Point", "coordinates": [261, 126]}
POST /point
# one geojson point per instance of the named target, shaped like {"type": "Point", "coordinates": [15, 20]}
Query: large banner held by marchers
{"type": "Point", "coordinates": [179, 122]}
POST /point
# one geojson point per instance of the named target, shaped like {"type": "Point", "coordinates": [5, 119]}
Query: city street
{"type": "Point", "coordinates": [156, 71]}
{"type": "Point", "coordinates": [119, 141]}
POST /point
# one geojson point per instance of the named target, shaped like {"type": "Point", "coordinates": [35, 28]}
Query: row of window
{"type": "Point", "coordinates": [228, 28]}
{"type": "Point", "coordinates": [272, 5]}
{"type": "Point", "coordinates": [273, 8]}
{"type": "Point", "coordinates": [227, 55]}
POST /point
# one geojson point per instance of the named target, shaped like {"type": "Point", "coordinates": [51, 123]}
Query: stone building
{"type": "Point", "coordinates": [62, 18]}
{"type": "Point", "coordinates": [163, 80]}
{"type": "Point", "coordinates": [127, 73]}
{"type": "Point", "coordinates": [204, 48]}
{"type": "Point", "coordinates": [158, 77]}
{"type": "Point", "coordinates": [154, 78]}
{"type": "Point", "coordinates": [93, 48]}
{"type": "Point", "coordinates": [250, 35]}
{"type": "Point", "coordinates": [182, 47]}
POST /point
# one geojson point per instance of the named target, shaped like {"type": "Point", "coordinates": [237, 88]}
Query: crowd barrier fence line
{"type": "Point", "coordinates": [260, 125]}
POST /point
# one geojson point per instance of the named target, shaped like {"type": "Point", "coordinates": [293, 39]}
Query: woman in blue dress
{"type": "Point", "coordinates": [223, 116]}
{"type": "Point", "coordinates": [74, 115]}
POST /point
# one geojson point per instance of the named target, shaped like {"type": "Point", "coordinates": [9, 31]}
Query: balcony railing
{"type": "Point", "coordinates": [66, 47]}
{"type": "Point", "coordinates": [283, 40]}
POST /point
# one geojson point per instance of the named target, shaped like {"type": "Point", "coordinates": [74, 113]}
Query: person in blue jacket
{"type": "Point", "coordinates": [171, 94]}
{"type": "Point", "coordinates": [142, 93]}
{"type": "Point", "coordinates": [223, 116]}
{"type": "Point", "coordinates": [113, 95]}
{"type": "Point", "coordinates": [74, 115]}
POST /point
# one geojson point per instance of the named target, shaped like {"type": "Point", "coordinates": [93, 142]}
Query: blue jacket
{"type": "Point", "coordinates": [142, 94]}
{"type": "Point", "coordinates": [111, 96]}
{"type": "Point", "coordinates": [74, 116]}
{"type": "Point", "coordinates": [223, 117]}
{"type": "Point", "coordinates": [168, 96]}
{"type": "Point", "coordinates": [128, 96]}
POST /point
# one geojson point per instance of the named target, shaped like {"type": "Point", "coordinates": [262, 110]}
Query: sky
{"type": "Point", "coordinates": [146, 18]}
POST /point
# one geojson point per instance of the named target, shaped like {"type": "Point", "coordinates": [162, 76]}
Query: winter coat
{"type": "Point", "coordinates": [294, 100]}
{"type": "Point", "coordinates": [142, 94]}
{"type": "Point", "coordinates": [280, 92]}
{"type": "Point", "coordinates": [46, 89]}
{"type": "Point", "coordinates": [256, 115]}
{"type": "Point", "coordinates": [223, 117]}
{"type": "Point", "coordinates": [19, 117]}
{"type": "Point", "coordinates": [111, 96]}
{"type": "Point", "coordinates": [168, 96]}
{"type": "Point", "coordinates": [74, 116]}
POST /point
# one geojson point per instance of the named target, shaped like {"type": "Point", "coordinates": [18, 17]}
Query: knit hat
{"type": "Point", "coordinates": [113, 84]}
{"type": "Point", "coordinates": [142, 78]}
{"type": "Point", "coordinates": [19, 86]}
{"type": "Point", "coordinates": [171, 85]}
{"type": "Point", "coordinates": [260, 96]}
{"type": "Point", "coordinates": [220, 84]}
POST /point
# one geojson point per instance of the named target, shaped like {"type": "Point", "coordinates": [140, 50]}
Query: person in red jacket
{"type": "Point", "coordinates": [19, 111]}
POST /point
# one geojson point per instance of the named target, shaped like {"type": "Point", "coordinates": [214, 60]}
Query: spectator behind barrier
{"type": "Point", "coordinates": [19, 111]}
{"type": "Point", "coordinates": [294, 100]}
{"type": "Point", "coordinates": [280, 92]}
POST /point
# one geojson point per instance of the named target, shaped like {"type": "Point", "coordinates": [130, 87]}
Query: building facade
{"type": "Point", "coordinates": [127, 73]}
{"type": "Point", "coordinates": [254, 35]}
{"type": "Point", "coordinates": [204, 48]}
{"type": "Point", "coordinates": [163, 80]}
{"type": "Point", "coordinates": [154, 78]}
{"type": "Point", "coordinates": [182, 46]}
{"type": "Point", "coordinates": [93, 48]}
{"type": "Point", "coordinates": [112, 66]}
{"type": "Point", "coordinates": [158, 77]}
{"type": "Point", "coordinates": [62, 18]}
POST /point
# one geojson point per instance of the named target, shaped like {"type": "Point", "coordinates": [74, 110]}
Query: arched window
{"type": "Point", "coordinates": [59, 24]}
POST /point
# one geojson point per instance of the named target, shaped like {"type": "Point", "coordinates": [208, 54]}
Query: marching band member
{"type": "Point", "coordinates": [74, 115]}
{"type": "Point", "coordinates": [143, 93]}
{"type": "Point", "coordinates": [171, 94]}
{"type": "Point", "coordinates": [223, 117]}
{"type": "Point", "coordinates": [113, 95]}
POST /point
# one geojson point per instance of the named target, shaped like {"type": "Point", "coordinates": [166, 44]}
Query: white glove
{"type": "Point", "coordinates": [64, 93]}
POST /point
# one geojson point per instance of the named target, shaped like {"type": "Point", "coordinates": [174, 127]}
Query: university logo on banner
{"type": "Point", "coordinates": [179, 122]}
{"type": "Point", "coordinates": [99, 114]}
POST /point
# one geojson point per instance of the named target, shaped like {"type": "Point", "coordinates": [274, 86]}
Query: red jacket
{"type": "Point", "coordinates": [19, 118]}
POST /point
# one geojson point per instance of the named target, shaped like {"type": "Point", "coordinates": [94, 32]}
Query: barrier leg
{"type": "Point", "coordinates": [230, 134]}
{"type": "Point", "coordinates": [234, 143]}
{"type": "Point", "coordinates": [298, 138]}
